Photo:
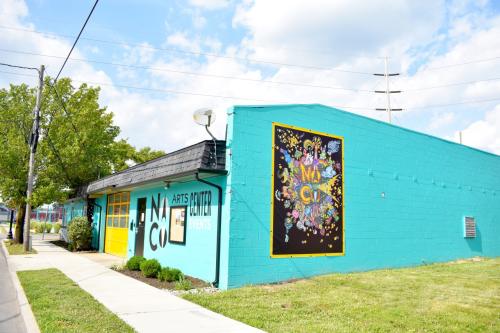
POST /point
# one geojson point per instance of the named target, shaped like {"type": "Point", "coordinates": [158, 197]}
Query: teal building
{"type": "Point", "coordinates": [296, 191]}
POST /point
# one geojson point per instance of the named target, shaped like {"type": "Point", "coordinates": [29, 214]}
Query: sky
{"type": "Point", "coordinates": [158, 61]}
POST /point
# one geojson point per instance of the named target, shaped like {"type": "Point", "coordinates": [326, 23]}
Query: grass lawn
{"type": "Point", "coordinates": [462, 296]}
{"type": "Point", "coordinates": [60, 305]}
{"type": "Point", "coordinates": [15, 248]}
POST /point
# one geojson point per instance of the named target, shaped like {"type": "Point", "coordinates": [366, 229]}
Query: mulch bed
{"type": "Point", "coordinates": [196, 283]}
{"type": "Point", "coordinates": [65, 245]}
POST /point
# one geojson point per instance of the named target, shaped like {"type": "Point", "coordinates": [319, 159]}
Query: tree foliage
{"type": "Point", "coordinates": [78, 143]}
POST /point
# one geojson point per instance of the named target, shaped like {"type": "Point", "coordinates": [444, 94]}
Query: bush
{"type": "Point", "coordinates": [80, 233]}
{"type": "Point", "coordinates": [33, 225]}
{"type": "Point", "coordinates": [183, 284]}
{"type": "Point", "coordinates": [164, 274]}
{"type": "Point", "coordinates": [39, 227]}
{"type": "Point", "coordinates": [48, 227]}
{"type": "Point", "coordinates": [150, 268]}
{"type": "Point", "coordinates": [57, 227]}
{"type": "Point", "coordinates": [134, 263]}
{"type": "Point", "coordinates": [169, 274]}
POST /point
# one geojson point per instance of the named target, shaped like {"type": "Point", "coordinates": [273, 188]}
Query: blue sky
{"type": "Point", "coordinates": [428, 42]}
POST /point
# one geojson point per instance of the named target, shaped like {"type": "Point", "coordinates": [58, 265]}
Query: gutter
{"type": "Point", "coordinates": [219, 222]}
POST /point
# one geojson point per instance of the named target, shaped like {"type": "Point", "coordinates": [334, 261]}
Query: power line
{"type": "Point", "coordinates": [453, 84]}
{"type": "Point", "coordinates": [206, 54]}
{"type": "Point", "coordinates": [16, 66]}
{"type": "Point", "coordinates": [76, 40]}
{"type": "Point", "coordinates": [190, 73]}
{"type": "Point", "coordinates": [139, 45]}
{"type": "Point", "coordinates": [462, 64]}
{"type": "Point", "coordinates": [252, 99]}
{"type": "Point", "coordinates": [457, 103]}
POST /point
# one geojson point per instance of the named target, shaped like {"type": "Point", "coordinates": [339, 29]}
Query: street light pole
{"type": "Point", "coordinates": [33, 146]}
{"type": "Point", "coordinates": [9, 234]}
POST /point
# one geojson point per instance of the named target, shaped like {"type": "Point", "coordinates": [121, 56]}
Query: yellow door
{"type": "Point", "coordinates": [116, 237]}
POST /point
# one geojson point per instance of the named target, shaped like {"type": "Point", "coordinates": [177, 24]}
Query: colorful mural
{"type": "Point", "coordinates": [307, 199]}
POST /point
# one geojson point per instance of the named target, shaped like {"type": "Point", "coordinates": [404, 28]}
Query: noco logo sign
{"type": "Point", "coordinates": [199, 204]}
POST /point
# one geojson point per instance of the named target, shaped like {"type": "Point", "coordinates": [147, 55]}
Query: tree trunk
{"type": "Point", "coordinates": [19, 232]}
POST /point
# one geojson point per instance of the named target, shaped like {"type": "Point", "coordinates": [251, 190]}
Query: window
{"type": "Point", "coordinates": [177, 228]}
{"type": "Point", "coordinates": [118, 207]}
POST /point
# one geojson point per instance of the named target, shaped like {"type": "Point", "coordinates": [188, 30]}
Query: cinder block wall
{"type": "Point", "coordinates": [429, 185]}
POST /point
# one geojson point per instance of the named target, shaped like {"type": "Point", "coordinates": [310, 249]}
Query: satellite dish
{"type": "Point", "coordinates": [204, 116]}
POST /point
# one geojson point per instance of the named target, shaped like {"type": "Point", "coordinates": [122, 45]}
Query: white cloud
{"type": "Point", "coordinates": [182, 40]}
{"type": "Point", "coordinates": [345, 29]}
{"type": "Point", "coordinates": [210, 4]}
{"type": "Point", "coordinates": [336, 34]}
{"type": "Point", "coordinates": [485, 133]}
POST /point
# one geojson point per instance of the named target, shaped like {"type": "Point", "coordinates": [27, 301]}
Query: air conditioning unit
{"type": "Point", "coordinates": [469, 227]}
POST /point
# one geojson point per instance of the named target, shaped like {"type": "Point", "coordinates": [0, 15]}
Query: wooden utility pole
{"type": "Point", "coordinates": [33, 146]}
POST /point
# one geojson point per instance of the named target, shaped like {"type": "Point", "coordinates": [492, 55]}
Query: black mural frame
{"type": "Point", "coordinates": [279, 247]}
{"type": "Point", "coordinates": [185, 207]}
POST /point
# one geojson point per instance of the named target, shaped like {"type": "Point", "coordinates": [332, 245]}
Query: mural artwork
{"type": "Point", "coordinates": [307, 201]}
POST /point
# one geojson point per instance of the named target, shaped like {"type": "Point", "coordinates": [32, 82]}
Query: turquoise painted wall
{"type": "Point", "coordinates": [73, 209]}
{"type": "Point", "coordinates": [429, 186]}
{"type": "Point", "coordinates": [78, 208]}
{"type": "Point", "coordinates": [99, 223]}
{"type": "Point", "coordinates": [197, 256]}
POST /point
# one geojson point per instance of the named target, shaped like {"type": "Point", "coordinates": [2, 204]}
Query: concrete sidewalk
{"type": "Point", "coordinates": [11, 320]}
{"type": "Point", "coordinates": [145, 308]}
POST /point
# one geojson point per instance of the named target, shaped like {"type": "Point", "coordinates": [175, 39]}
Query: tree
{"type": "Point", "coordinates": [127, 155]}
{"type": "Point", "coordinates": [77, 143]}
{"type": "Point", "coordinates": [16, 120]}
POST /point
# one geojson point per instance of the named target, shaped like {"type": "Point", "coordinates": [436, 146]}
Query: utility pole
{"type": "Point", "coordinates": [33, 146]}
{"type": "Point", "coordinates": [387, 91]}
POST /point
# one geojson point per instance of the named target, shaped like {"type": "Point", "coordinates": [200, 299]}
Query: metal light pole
{"type": "Point", "coordinates": [9, 234]}
{"type": "Point", "coordinates": [33, 146]}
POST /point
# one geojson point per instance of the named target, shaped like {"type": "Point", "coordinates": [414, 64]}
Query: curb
{"type": "Point", "coordinates": [24, 305]}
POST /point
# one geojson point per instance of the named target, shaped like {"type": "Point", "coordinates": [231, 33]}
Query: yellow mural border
{"type": "Point", "coordinates": [341, 138]}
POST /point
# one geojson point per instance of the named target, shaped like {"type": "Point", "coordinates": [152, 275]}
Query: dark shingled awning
{"type": "Point", "coordinates": [178, 165]}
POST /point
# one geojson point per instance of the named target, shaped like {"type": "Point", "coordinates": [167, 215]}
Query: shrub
{"type": "Point", "coordinates": [33, 225]}
{"type": "Point", "coordinates": [80, 233]}
{"type": "Point", "coordinates": [170, 274]}
{"type": "Point", "coordinates": [39, 227]}
{"type": "Point", "coordinates": [134, 263]}
{"type": "Point", "coordinates": [57, 227]}
{"type": "Point", "coordinates": [150, 268]}
{"type": "Point", "coordinates": [164, 274]}
{"type": "Point", "coordinates": [48, 227]}
{"type": "Point", "coordinates": [176, 274]}
{"type": "Point", "coordinates": [183, 284]}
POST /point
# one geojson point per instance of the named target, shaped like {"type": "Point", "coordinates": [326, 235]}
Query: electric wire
{"type": "Point", "coordinates": [161, 69]}
{"type": "Point", "coordinates": [453, 84]}
{"type": "Point", "coordinates": [76, 40]}
{"type": "Point", "coordinates": [16, 66]}
{"type": "Point", "coordinates": [253, 99]}
{"type": "Point", "coordinates": [141, 45]}
{"type": "Point", "coordinates": [206, 54]}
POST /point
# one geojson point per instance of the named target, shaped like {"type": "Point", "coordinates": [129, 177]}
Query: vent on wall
{"type": "Point", "coordinates": [469, 227]}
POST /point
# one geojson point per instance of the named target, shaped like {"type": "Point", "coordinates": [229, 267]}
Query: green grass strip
{"type": "Point", "coordinates": [60, 305]}
{"type": "Point", "coordinates": [17, 249]}
{"type": "Point", "coordinates": [462, 296]}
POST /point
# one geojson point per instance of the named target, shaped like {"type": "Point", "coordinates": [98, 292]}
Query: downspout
{"type": "Point", "coordinates": [99, 227]}
{"type": "Point", "coordinates": [219, 222]}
